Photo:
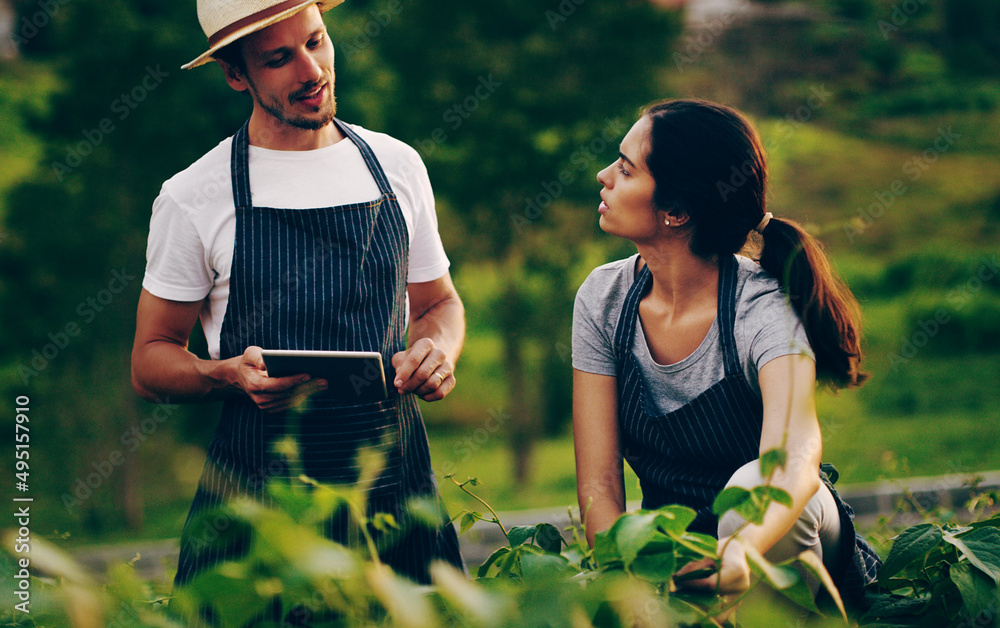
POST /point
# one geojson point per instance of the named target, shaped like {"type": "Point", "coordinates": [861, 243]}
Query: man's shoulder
{"type": "Point", "coordinates": [392, 153]}
{"type": "Point", "coordinates": [205, 179]}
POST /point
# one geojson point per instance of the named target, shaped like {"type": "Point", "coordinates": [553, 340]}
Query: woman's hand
{"type": "Point", "coordinates": [733, 571]}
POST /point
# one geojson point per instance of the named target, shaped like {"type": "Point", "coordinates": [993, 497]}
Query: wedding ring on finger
{"type": "Point", "coordinates": [441, 375]}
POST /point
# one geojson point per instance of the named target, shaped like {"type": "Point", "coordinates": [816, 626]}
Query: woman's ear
{"type": "Point", "coordinates": [674, 217]}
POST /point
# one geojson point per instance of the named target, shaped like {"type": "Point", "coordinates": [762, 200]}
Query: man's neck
{"type": "Point", "coordinates": [268, 132]}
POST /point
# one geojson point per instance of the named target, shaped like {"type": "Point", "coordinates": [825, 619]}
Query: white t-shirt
{"type": "Point", "coordinates": [192, 231]}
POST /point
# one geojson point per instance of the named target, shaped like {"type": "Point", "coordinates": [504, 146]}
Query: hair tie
{"type": "Point", "coordinates": [763, 222]}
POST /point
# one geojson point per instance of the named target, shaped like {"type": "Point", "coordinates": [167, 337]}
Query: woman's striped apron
{"type": "Point", "coordinates": [687, 456]}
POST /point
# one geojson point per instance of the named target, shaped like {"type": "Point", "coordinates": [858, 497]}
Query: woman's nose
{"type": "Point", "coordinates": [602, 177]}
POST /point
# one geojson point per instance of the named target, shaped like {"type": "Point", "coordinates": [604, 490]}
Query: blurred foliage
{"type": "Point", "coordinates": [291, 575]}
{"type": "Point", "coordinates": [562, 93]}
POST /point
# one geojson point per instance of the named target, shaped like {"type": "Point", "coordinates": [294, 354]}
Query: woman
{"type": "Point", "coordinates": [690, 362]}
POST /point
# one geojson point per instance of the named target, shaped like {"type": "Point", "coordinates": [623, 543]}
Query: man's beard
{"type": "Point", "coordinates": [273, 107]}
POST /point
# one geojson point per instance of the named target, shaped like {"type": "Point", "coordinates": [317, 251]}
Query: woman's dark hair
{"type": "Point", "coordinates": [708, 162]}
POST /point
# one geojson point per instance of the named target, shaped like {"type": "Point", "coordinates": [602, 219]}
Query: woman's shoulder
{"type": "Point", "coordinates": [754, 282]}
{"type": "Point", "coordinates": [760, 301]}
{"type": "Point", "coordinates": [610, 278]}
{"type": "Point", "coordinates": [605, 288]}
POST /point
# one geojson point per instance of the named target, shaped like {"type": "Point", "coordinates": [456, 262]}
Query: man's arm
{"type": "Point", "coordinates": [162, 367]}
{"type": "Point", "coordinates": [437, 333]}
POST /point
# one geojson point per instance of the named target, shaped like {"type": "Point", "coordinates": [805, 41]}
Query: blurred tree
{"type": "Point", "coordinates": [72, 263]}
{"type": "Point", "coordinates": [972, 35]}
{"type": "Point", "coordinates": [513, 106]}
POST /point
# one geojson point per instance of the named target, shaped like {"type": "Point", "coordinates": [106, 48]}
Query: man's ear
{"type": "Point", "coordinates": [236, 79]}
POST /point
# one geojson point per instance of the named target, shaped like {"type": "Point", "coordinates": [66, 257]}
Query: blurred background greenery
{"type": "Point", "coordinates": [880, 118]}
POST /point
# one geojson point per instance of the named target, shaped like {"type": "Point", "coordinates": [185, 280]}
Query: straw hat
{"type": "Point", "coordinates": [225, 21]}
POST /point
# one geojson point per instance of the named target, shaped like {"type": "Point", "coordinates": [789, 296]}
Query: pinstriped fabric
{"type": "Point", "coordinates": [320, 279]}
{"type": "Point", "coordinates": [687, 456]}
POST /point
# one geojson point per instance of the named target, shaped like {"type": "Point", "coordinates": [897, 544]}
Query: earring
{"type": "Point", "coordinates": [667, 222]}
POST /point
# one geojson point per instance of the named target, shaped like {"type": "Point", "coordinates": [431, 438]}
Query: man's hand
{"type": "Point", "coordinates": [424, 369]}
{"type": "Point", "coordinates": [273, 394]}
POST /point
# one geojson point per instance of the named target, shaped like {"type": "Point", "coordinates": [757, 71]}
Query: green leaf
{"type": "Point", "coordinates": [427, 512]}
{"type": "Point", "coordinates": [606, 549]}
{"type": "Point", "coordinates": [751, 505]}
{"type": "Point", "coordinates": [771, 459]}
{"type": "Point", "coordinates": [233, 601]}
{"type": "Point", "coordinates": [730, 498]}
{"type": "Point", "coordinates": [764, 495]}
{"type": "Point", "coordinates": [911, 544]}
{"type": "Point", "coordinates": [895, 606]}
{"type": "Point", "coordinates": [494, 557]}
{"type": "Point", "coordinates": [702, 545]}
{"type": "Point", "coordinates": [548, 538]}
{"type": "Point", "coordinates": [538, 566]}
{"type": "Point", "coordinates": [815, 565]}
{"type": "Point", "coordinates": [469, 518]}
{"type": "Point", "coordinates": [979, 593]}
{"type": "Point", "coordinates": [783, 578]}
{"type": "Point", "coordinates": [779, 577]}
{"type": "Point", "coordinates": [404, 600]}
{"type": "Point", "coordinates": [468, 597]}
{"type": "Point", "coordinates": [383, 522]}
{"type": "Point", "coordinates": [654, 566]}
{"type": "Point", "coordinates": [519, 534]}
{"type": "Point", "coordinates": [982, 548]}
{"type": "Point", "coordinates": [675, 519]}
{"type": "Point", "coordinates": [634, 532]}
{"type": "Point", "coordinates": [992, 522]}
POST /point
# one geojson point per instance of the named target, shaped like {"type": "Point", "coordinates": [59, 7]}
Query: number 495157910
{"type": "Point", "coordinates": [23, 438]}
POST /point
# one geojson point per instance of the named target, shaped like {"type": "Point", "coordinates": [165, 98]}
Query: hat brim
{"type": "Point", "coordinates": [205, 57]}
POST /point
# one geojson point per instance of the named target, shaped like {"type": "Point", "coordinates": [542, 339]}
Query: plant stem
{"type": "Point", "coordinates": [496, 518]}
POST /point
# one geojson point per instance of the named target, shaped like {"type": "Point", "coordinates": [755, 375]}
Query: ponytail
{"type": "Point", "coordinates": [828, 311]}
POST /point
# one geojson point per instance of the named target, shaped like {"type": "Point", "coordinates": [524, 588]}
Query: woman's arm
{"type": "Point", "coordinates": [787, 387]}
{"type": "Point", "coordinates": [600, 486]}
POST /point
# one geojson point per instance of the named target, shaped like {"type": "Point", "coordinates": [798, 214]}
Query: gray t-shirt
{"type": "Point", "coordinates": [766, 328]}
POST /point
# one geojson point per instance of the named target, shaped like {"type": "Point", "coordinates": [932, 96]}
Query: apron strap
{"type": "Point", "coordinates": [727, 314]}
{"type": "Point", "coordinates": [625, 329]}
{"type": "Point", "coordinates": [240, 168]}
{"type": "Point", "coordinates": [369, 156]}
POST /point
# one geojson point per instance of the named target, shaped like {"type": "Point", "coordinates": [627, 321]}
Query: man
{"type": "Point", "coordinates": [299, 232]}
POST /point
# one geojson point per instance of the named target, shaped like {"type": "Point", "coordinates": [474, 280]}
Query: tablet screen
{"type": "Point", "coordinates": [353, 376]}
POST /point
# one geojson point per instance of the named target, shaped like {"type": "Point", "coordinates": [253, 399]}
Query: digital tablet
{"type": "Point", "coordinates": [353, 376]}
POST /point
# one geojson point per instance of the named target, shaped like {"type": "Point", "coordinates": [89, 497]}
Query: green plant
{"type": "Point", "coordinates": [648, 551]}
{"type": "Point", "coordinates": [935, 575]}
{"type": "Point", "coordinates": [940, 575]}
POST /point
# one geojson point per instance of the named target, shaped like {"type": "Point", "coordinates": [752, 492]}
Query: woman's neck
{"type": "Point", "coordinates": [682, 281]}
